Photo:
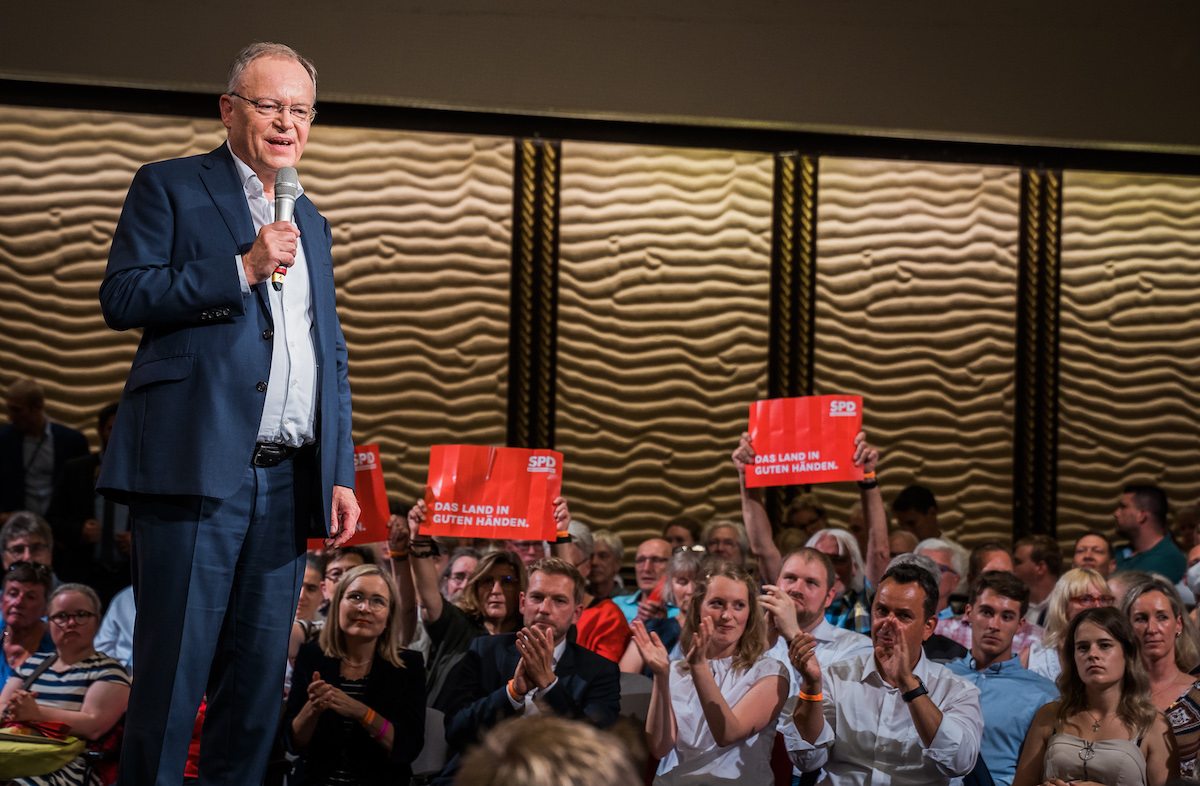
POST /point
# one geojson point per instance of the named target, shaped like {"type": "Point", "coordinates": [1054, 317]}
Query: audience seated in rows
{"type": "Point", "coordinates": [602, 627]}
{"type": "Point", "coordinates": [713, 713]}
{"type": "Point", "coordinates": [535, 669]}
{"type": "Point", "coordinates": [1009, 694]}
{"type": "Point", "coordinates": [991, 555]}
{"type": "Point", "coordinates": [73, 685]}
{"type": "Point", "coordinates": [895, 716]}
{"type": "Point", "coordinates": [1076, 590]}
{"type": "Point", "coordinates": [682, 570]}
{"type": "Point", "coordinates": [356, 711]}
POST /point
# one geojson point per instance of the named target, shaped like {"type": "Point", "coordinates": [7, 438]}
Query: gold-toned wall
{"type": "Point", "coordinates": [662, 318]}
{"type": "Point", "coordinates": [1130, 343]}
{"type": "Point", "coordinates": [662, 309]}
{"type": "Point", "coordinates": [421, 227]}
{"type": "Point", "coordinates": [916, 296]}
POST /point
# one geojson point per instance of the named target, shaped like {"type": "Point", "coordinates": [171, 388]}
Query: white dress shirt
{"type": "Point", "coordinates": [289, 412]}
{"type": "Point", "coordinates": [869, 735]}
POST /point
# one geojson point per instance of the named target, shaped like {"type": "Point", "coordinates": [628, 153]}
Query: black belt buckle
{"type": "Point", "coordinates": [267, 455]}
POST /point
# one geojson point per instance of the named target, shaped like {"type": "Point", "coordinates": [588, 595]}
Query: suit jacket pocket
{"type": "Point", "coordinates": [166, 369]}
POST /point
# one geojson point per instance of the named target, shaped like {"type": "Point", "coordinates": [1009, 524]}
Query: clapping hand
{"type": "Point", "coordinates": [697, 654]}
{"type": "Point", "coordinates": [651, 648]}
{"type": "Point", "coordinates": [536, 646]}
{"type": "Point", "coordinates": [782, 611]}
{"type": "Point", "coordinates": [803, 654]}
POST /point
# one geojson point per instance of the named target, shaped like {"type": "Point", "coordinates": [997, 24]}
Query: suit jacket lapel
{"type": "Point", "coordinates": [219, 176]}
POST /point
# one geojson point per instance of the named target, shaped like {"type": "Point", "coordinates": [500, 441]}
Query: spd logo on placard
{"type": "Point", "coordinates": [364, 460]}
{"type": "Point", "coordinates": [843, 409]}
{"type": "Point", "coordinates": [541, 464]}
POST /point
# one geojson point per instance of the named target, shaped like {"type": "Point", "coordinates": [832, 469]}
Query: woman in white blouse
{"type": "Point", "coordinates": [713, 713]}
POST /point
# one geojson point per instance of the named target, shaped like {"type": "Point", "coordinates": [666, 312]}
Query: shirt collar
{"type": "Point", "coordinates": [559, 649]}
{"type": "Point", "coordinates": [997, 667]}
{"type": "Point", "coordinates": [251, 183]}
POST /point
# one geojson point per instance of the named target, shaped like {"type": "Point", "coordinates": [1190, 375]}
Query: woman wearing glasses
{"type": "Point", "coordinates": [1103, 730]}
{"type": "Point", "coordinates": [1076, 590]}
{"type": "Point", "coordinates": [1169, 652]}
{"type": "Point", "coordinates": [85, 689]}
{"type": "Point", "coordinates": [356, 712]}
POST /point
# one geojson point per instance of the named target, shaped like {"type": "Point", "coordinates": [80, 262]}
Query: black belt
{"type": "Point", "coordinates": [271, 454]}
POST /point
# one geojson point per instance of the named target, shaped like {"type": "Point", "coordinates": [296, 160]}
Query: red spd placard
{"type": "Point", "coordinates": [809, 439]}
{"type": "Point", "coordinates": [372, 499]}
{"type": "Point", "coordinates": [482, 492]}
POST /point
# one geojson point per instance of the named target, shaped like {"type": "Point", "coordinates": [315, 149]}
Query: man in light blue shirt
{"type": "Point", "coordinates": [650, 565]}
{"type": "Point", "coordinates": [1009, 694]}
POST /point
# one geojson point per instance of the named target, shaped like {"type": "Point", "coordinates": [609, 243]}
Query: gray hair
{"type": "Point", "coordinates": [684, 561]}
{"type": "Point", "coordinates": [266, 49]}
{"type": "Point", "coordinates": [82, 589]}
{"type": "Point", "coordinates": [958, 555]}
{"type": "Point", "coordinates": [612, 540]}
{"type": "Point", "coordinates": [742, 538]}
{"type": "Point", "coordinates": [581, 537]}
{"type": "Point", "coordinates": [23, 523]}
{"type": "Point", "coordinates": [847, 547]}
{"type": "Point", "coordinates": [920, 561]}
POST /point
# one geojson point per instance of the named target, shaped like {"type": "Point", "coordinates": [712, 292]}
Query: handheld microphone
{"type": "Point", "coordinates": [287, 188]}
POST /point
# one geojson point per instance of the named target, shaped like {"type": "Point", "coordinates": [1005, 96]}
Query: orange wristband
{"type": "Point", "coordinates": [809, 697]}
{"type": "Point", "coordinates": [512, 692]}
{"type": "Point", "coordinates": [367, 719]}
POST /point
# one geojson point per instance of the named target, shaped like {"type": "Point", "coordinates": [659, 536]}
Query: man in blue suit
{"type": "Point", "coordinates": [537, 669]}
{"type": "Point", "coordinates": [232, 442]}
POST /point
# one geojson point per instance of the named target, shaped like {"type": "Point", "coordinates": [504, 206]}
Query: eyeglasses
{"type": "Point", "coordinates": [374, 603]}
{"type": "Point", "coordinates": [944, 569]}
{"type": "Point", "coordinates": [41, 571]}
{"type": "Point", "coordinates": [1088, 601]}
{"type": "Point", "coordinates": [299, 114]}
{"type": "Point", "coordinates": [32, 549]}
{"type": "Point", "coordinates": [651, 560]}
{"type": "Point", "coordinates": [63, 617]}
{"type": "Point", "coordinates": [696, 548]}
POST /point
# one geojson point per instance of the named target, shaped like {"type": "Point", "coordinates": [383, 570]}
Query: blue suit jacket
{"type": "Point", "coordinates": [190, 413]}
{"type": "Point", "coordinates": [589, 688]}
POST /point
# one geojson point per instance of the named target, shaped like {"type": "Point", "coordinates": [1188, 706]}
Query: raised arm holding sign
{"type": "Point", "coordinates": [758, 527]}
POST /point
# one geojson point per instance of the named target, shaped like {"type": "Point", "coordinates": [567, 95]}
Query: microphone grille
{"type": "Point", "coordinates": [287, 183]}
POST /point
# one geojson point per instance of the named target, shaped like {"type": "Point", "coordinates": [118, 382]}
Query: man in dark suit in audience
{"type": "Point", "coordinates": [33, 450]}
{"type": "Point", "coordinates": [536, 669]}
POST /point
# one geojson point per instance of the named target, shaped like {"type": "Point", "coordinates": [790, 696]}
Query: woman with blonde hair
{"type": "Point", "coordinates": [712, 714]}
{"type": "Point", "coordinates": [1104, 729]}
{"type": "Point", "coordinates": [1076, 590]}
{"type": "Point", "coordinates": [1169, 652]}
{"type": "Point", "coordinates": [356, 711]}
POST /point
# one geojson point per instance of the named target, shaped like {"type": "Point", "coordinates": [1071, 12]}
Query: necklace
{"type": "Point", "coordinates": [356, 664]}
{"type": "Point", "coordinates": [1096, 725]}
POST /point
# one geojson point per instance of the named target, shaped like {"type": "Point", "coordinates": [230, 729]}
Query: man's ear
{"type": "Point", "coordinates": [967, 613]}
{"type": "Point", "coordinates": [930, 625]}
{"type": "Point", "coordinates": [521, 602]}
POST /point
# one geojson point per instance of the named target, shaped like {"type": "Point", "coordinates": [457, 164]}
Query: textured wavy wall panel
{"type": "Point", "coordinates": [662, 328]}
{"type": "Point", "coordinates": [1130, 343]}
{"type": "Point", "coordinates": [63, 178]}
{"type": "Point", "coordinates": [421, 234]}
{"type": "Point", "coordinates": [916, 296]}
{"type": "Point", "coordinates": [421, 245]}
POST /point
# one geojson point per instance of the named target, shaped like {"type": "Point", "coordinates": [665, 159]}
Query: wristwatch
{"type": "Point", "coordinates": [915, 692]}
